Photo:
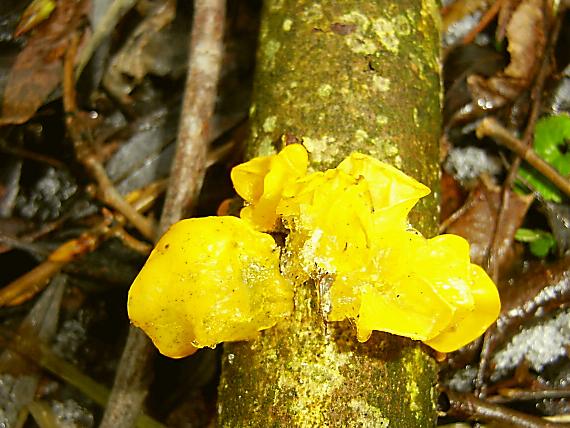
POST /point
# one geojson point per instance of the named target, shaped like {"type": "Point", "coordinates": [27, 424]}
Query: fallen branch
{"type": "Point", "coordinates": [187, 174]}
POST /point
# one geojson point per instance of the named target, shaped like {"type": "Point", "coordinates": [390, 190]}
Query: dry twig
{"type": "Point", "coordinates": [468, 406]}
{"type": "Point", "coordinates": [508, 395]}
{"type": "Point", "coordinates": [483, 22]}
{"type": "Point", "coordinates": [187, 173]}
{"type": "Point", "coordinates": [491, 128]}
{"type": "Point", "coordinates": [33, 281]}
{"type": "Point", "coordinates": [105, 189]}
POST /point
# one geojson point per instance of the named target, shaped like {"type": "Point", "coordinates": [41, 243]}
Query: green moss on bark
{"type": "Point", "coordinates": [341, 76]}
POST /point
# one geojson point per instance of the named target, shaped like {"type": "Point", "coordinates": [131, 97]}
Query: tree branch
{"type": "Point", "coordinates": [187, 174]}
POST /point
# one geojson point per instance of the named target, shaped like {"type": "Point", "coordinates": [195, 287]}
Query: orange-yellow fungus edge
{"type": "Point", "coordinates": [209, 280]}
{"type": "Point", "coordinates": [487, 306]}
{"type": "Point", "coordinates": [260, 183]}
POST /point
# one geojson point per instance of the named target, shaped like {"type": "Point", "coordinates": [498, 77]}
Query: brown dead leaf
{"type": "Point", "coordinates": [134, 61]}
{"type": "Point", "coordinates": [530, 295]}
{"type": "Point", "coordinates": [526, 44]}
{"type": "Point", "coordinates": [525, 33]}
{"type": "Point", "coordinates": [38, 68]}
{"type": "Point", "coordinates": [477, 223]}
{"type": "Point", "coordinates": [452, 195]}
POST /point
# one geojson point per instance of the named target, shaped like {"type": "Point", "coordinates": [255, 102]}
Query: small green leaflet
{"type": "Point", "coordinates": [551, 143]}
{"type": "Point", "coordinates": [540, 242]}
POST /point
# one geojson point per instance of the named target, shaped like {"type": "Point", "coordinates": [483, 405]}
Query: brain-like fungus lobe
{"type": "Point", "coordinates": [207, 281]}
{"type": "Point", "coordinates": [221, 279]}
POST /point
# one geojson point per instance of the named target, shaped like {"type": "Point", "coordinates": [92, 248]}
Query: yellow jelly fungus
{"type": "Point", "coordinates": [209, 280]}
{"type": "Point", "coordinates": [425, 289]}
{"type": "Point", "coordinates": [391, 306]}
{"type": "Point", "coordinates": [389, 187]}
{"type": "Point", "coordinates": [328, 216]}
{"type": "Point", "coordinates": [351, 222]}
{"type": "Point", "coordinates": [260, 183]}
{"type": "Point", "coordinates": [218, 278]}
{"type": "Point", "coordinates": [468, 328]}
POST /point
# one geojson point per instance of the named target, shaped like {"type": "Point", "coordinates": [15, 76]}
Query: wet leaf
{"type": "Point", "coordinates": [551, 137]}
{"type": "Point", "coordinates": [37, 70]}
{"type": "Point", "coordinates": [537, 292]}
{"type": "Point", "coordinates": [479, 218]}
{"type": "Point", "coordinates": [526, 44]}
{"type": "Point", "coordinates": [37, 12]}
{"type": "Point", "coordinates": [541, 242]}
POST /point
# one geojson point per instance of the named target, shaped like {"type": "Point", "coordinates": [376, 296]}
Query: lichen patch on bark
{"type": "Point", "coordinates": [341, 77]}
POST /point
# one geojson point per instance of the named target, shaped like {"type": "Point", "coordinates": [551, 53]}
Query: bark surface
{"type": "Point", "coordinates": [341, 76]}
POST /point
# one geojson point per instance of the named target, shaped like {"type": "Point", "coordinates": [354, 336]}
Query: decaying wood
{"type": "Point", "coordinates": [341, 77]}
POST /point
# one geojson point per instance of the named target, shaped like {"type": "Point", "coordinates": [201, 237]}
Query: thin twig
{"type": "Point", "coordinates": [490, 127]}
{"type": "Point", "coordinates": [483, 22]}
{"type": "Point", "coordinates": [516, 394]}
{"type": "Point", "coordinates": [187, 173]}
{"type": "Point", "coordinates": [33, 281]}
{"type": "Point", "coordinates": [117, 9]}
{"type": "Point", "coordinates": [189, 163]}
{"type": "Point", "coordinates": [106, 191]}
{"type": "Point", "coordinates": [457, 214]}
{"type": "Point", "coordinates": [467, 405]}
{"type": "Point", "coordinates": [28, 154]}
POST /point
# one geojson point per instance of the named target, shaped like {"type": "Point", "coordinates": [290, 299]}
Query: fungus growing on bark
{"type": "Point", "coordinates": [219, 279]}
{"type": "Point", "coordinates": [207, 281]}
{"type": "Point", "coordinates": [260, 183]}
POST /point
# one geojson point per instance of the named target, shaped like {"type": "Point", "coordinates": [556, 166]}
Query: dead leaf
{"type": "Point", "coordinates": [136, 58]}
{"type": "Point", "coordinates": [37, 70]}
{"type": "Point", "coordinates": [526, 44]}
{"type": "Point", "coordinates": [525, 33]}
{"type": "Point", "coordinates": [531, 295]}
{"type": "Point", "coordinates": [477, 223]}
{"type": "Point", "coordinates": [452, 195]}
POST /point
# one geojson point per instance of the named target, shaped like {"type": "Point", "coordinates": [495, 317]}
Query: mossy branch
{"type": "Point", "coordinates": [341, 77]}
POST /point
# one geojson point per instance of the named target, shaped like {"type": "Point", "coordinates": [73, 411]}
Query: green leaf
{"type": "Point", "coordinates": [526, 235]}
{"type": "Point", "coordinates": [551, 136]}
{"type": "Point", "coordinates": [541, 242]}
